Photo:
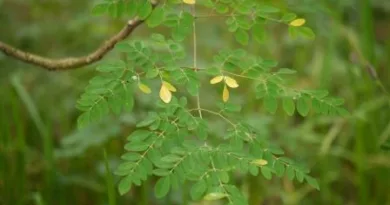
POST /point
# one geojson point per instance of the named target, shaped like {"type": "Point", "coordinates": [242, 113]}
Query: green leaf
{"type": "Point", "coordinates": [152, 116]}
{"type": "Point", "coordinates": [279, 168]}
{"type": "Point", "coordinates": [254, 170]}
{"type": "Point", "coordinates": [289, 106]}
{"type": "Point", "coordinates": [221, 8]}
{"type": "Point", "coordinates": [144, 10]}
{"type": "Point", "coordinates": [183, 26]}
{"type": "Point", "coordinates": [268, 9]}
{"type": "Point", "coordinates": [161, 172]}
{"type": "Point", "coordinates": [293, 32]}
{"type": "Point", "coordinates": [113, 10]}
{"type": "Point", "coordinates": [241, 36]}
{"type": "Point", "coordinates": [162, 187]}
{"type": "Point", "coordinates": [136, 147]}
{"type": "Point", "coordinates": [121, 8]}
{"type": "Point", "coordinates": [270, 104]}
{"type": "Point", "coordinates": [306, 32]}
{"type": "Point", "coordinates": [198, 189]}
{"type": "Point", "coordinates": [266, 172]}
{"type": "Point", "coordinates": [156, 18]}
{"type": "Point", "coordinates": [230, 107]}
{"type": "Point", "coordinates": [313, 182]}
{"type": "Point", "coordinates": [201, 130]}
{"type": "Point", "coordinates": [127, 97]}
{"type": "Point", "coordinates": [132, 7]}
{"type": "Point", "coordinates": [83, 120]}
{"type": "Point", "coordinates": [131, 156]}
{"type": "Point", "coordinates": [300, 176]}
{"type": "Point", "coordinates": [193, 87]}
{"type": "Point", "coordinates": [258, 32]}
{"type": "Point", "coordinates": [139, 135]}
{"type": "Point", "coordinates": [100, 8]}
{"type": "Point", "coordinates": [214, 196]}
{"type": "Point", "coordinates": [152, 73]}
{"type": "Point", "coordinates": [115, 104]}
{"type": "Point", "coordinates": [124, 185]}
{"type": "Point", "coordinates": [171, 158]}
{"type": "Point", "coordinates": [290, 172]}
{"type": "Point", "coordinates": [303, 105]}
{"type": "Point", "coordinates": [288, 17]}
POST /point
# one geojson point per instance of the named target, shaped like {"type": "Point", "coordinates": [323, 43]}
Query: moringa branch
{"type": "Point", "coordinates": [71, 62]}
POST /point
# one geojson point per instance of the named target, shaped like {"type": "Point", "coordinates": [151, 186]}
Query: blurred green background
{"type": "Point", "coordinates": [45, 159]}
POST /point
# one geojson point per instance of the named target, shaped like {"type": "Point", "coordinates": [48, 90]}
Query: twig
{"type": "Point", "coordinates": [72, 62]}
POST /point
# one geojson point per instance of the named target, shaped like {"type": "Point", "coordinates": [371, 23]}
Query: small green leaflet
{"type": "Point", "coordinates": [242, 36]}
{"type": "Point", "coordinates": [266, 172]}
{"type": "Point", "coordinates": [313, 182]}
{"type": "Point", "coordinates": [156, 18]}
{"type": "Point", "coordinates": [198, 189]}
{"type": "Point", "coordinates": [162, 187]}
{"type": "Point", "coordinates": [144, 10]}
{"type": "Point", "coordinates": [288, 106]}
{"type": "Point", "coordinates": [124, 185]}
{"type": "Point", "coordinates": [303, 105]}
{"type": "Point", "coordinates": [270, 104]}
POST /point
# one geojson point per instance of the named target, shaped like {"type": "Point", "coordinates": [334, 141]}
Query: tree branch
{"type": "Point", "coordinates": [71, 62]}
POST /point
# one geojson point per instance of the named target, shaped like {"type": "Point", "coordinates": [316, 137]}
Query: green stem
{"type": "Point", "coordinates": [363, 145]}
{"type": "Point", "coordinates": [109, 181]}
{"type": "Point", "coordinates": [21, 149]}
{"type": "Point", "coordinates": [195, 55]}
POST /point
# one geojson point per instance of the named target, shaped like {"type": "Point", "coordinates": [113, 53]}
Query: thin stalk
{"type": "Point", "coordinates": [195, 55]}
{"type": "Point", "coordinates": [363, 145]}
{"type": "Point", "coordinates": [43, 131]}
{"type": "Point", "coordinates": [5, 166]}
{"type": "Point", "coordinates": [109, 181]}
{"type": "Point", "coordinates": [21, 149]}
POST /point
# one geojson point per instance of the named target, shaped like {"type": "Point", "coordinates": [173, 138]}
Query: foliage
{"type": "Point", "coordinates": [175, 142]}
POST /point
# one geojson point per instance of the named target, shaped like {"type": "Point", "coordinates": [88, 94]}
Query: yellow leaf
{"type": "Point", "coordinates": [144, 88]}
{"type": "Point", "coordinates": [231, 82]}
{"type": "Point", "coordinates": [189, 1]}
{"type": "Point", "coordinates": [260, 162]}
{"type": "Point", "coordinates": [216, 79]}
{"type": "Point", "coordinates": [169, 86]}
{"type": "Point", "coordinates": [225, 94]}
{"type": "Point", "coordinates": [165, 94]}
{"type": "Point", "coordinates": [214, 196]}
{"type": "Point", "coordinates": [298, 22]}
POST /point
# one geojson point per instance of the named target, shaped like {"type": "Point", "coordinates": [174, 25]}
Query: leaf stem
{"type": "Point", "coordinates": [195, 55]}
{"type": "Point", "coordinates": [216, 113]}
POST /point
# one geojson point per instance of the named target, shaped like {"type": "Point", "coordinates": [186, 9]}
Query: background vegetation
{"type": "Point", "coordinates": [45, 159]}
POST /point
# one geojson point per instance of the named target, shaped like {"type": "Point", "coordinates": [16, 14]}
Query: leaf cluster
{"type": "Point", "coordinates": [175, 142]}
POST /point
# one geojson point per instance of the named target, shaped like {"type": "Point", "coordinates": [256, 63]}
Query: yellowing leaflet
{"type": "Point", "coordinates": [165, 94]}
{"type": "Point", "coordinates": [225, 94]}
{"type": "Point", "coordinates": [169, 86]}
{"type": "Point", "coordinates": [260, 162]}
{"type": "Point", "coordinates": [144, 88]}
{"type": "Point", "coordinates": [298, 22]}
{"type": "Point", "coordinates": [231, 82]}
{"type": "Point", "coordinates": [214, 196]}
{"type": "Point", "coordinates": [191, 2]}
{"type": "Point", "coordinates": [216, 79]}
